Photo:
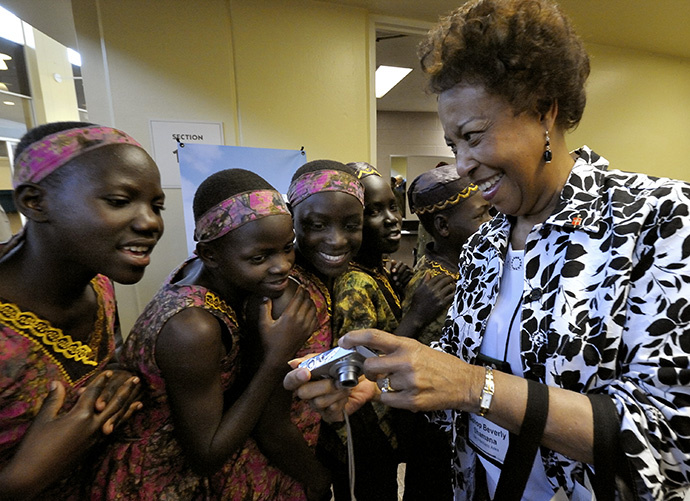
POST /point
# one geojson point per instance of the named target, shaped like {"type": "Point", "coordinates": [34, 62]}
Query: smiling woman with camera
{"type": "Point", "coordinates": [563, 368]}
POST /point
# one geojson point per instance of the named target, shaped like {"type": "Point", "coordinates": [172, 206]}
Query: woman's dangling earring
{"type": "Point", "coordinates": [548, 155]}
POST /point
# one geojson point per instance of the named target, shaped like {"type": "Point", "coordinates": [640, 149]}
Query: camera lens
{"type": "Point", "coordinates": [348, 376]}
{"type": "Point", "coordinates": [346, 372]}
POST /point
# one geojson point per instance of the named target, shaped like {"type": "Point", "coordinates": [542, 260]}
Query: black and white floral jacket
{"type": "Point", "coordinates": [606, 309]}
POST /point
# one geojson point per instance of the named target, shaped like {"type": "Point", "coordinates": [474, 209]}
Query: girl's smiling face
{"type": "Point", "coordinates": [499, 151]}
{"type": "Point", "coordinates": [328, 228]}
{"type": "Point", "coordinates": [257, 256]}
{"type": "Point", "coordinates": [105, 212]}
{"type": "Point", "coordinates": [465, 218]}
{"type": "Point", "coordinates": [382, 217]}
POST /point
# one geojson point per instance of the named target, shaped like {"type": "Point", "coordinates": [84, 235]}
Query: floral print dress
{"type": "Point", "coordinates": [33, 354]}
{"type": "Point", "coordinates": [307, 419]}
{"type": "Point", "coordinates": [147, 462]}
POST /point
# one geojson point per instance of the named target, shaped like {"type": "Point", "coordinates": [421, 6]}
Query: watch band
{"type": "Point", "coordinates": [487, 392]}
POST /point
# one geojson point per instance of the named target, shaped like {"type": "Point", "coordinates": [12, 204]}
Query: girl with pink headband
{"type": "Point", "coordinates": [366, 296]}
{"type": "Point", "coordinates": [92, 201]}
{"type": "Point", "coordinates": [211, 348]}
{"type": "Point", "coordinates": [327, 202]}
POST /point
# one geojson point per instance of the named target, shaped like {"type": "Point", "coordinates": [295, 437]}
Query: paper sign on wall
{"type": "Point", "coordinates": [198, 161]}
{"type": "Point", "coordinates": [165, 136]}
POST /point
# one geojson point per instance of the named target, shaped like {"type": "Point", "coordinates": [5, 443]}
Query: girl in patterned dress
{"type": "Point", "coordinates": [92, 201]}
{"type": "Point", "coordinates": [451, 210]}
{"type": "Point", "coordinates": [365, 297]}
{"type": "Point", "coordinates": [326, 200]}
{"type": "Point", "coordinates": [208, 380]}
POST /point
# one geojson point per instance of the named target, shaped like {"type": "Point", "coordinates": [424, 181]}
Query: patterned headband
{"type": "Point", "coordinates": [444, 204]}
{"type": "Point", "coordinates": [48, 154]}
{"type": "Point", "coordinates": [365, 171]}
{"type": "Point", "coordinates": [324, 180]}
{"type": "Point", "coordinates": [237, 210]}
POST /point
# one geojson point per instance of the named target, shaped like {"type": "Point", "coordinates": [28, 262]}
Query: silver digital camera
{"type": "Point", "coordinates": [343, 365]}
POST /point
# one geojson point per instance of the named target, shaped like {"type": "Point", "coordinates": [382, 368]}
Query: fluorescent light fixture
{"type": "Point", "coordinates": [3, 58]}
{"type": "Point", "coordinates": [29, 39]}
{"type": "Point", "coordinates": [11, 26]}
{"type": "Point", "coordinates": [8, 103]}
{"type": "Point", "coordinates": [74, 57]}
{"type": "Point", "coordinates": [388, 77]}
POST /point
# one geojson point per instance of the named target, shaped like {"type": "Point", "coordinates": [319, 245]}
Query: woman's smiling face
{"type": "Point", "coordinates": [499, 151]}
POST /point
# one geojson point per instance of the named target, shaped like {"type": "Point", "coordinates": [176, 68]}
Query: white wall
{"type": "Point", "coordinates": [638, 111]}
{"type": "Point", "coordinates": [400, 133]}
{"type": "Point", "coordinates": [637, 116]}
{"type": "Point", "coordinates": [276, 74]}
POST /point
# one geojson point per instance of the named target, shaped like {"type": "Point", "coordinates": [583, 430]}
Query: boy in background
{"type": "Point", "coordinates": [450, 212]}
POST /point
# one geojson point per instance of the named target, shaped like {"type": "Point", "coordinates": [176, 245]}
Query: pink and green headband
{"type": "Point", "coordinates": [237, 210]}
{"type": "Point", "coordinates": [324, 180]}
{"type": "Point", "coordinates": [46, 155]}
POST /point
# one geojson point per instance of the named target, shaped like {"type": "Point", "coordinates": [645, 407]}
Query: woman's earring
{"type": "Point", "coordinates": [548, 155]}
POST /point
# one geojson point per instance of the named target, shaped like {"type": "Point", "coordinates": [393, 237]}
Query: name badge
{"type": "Point", "coordinates": [488, 439]}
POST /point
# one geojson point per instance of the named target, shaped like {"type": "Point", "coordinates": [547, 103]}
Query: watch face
{"type": "Point", "coordinates": [487, 391]}
{"type": "Point", "coordinates": [486, 401]}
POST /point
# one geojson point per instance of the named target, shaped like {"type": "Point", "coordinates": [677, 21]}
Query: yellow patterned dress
{"type": "Point", "coordinates": [429, 264]}
{"type": "Point", "coordinates": [364, 298]}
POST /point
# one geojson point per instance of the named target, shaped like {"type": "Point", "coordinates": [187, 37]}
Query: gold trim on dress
{"type": "Point", "coordinates": [440, 268]}
{"type": "Point", "coordinates": [52, 337]}
{"type": "Point", "coordinates": [97, 335]}
{"type": "Point", "coordinates": [382, 277]}
{"type": "Point", "coordinates": [35, 329]}
{"type": "Point", "coordinates": [216, 303]}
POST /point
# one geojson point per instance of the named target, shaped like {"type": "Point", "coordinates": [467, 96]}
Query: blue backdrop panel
{"type": "Point", "coordinates": [198, 161]}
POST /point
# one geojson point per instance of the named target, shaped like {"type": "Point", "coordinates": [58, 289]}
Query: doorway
{"type": "Point", "coordinates": [409, 138]}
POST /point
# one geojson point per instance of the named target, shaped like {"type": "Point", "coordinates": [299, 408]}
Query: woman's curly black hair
{"type": "Point", "coordinates": [523, 50]}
